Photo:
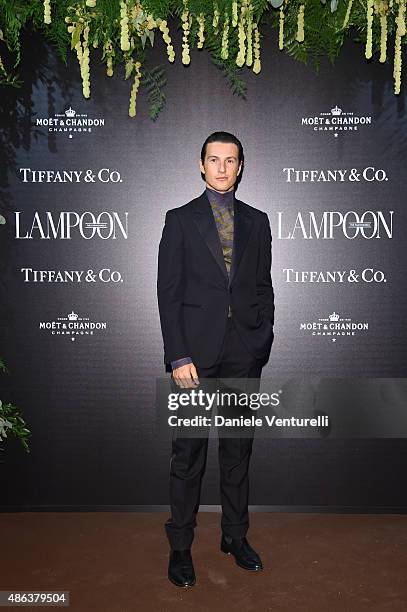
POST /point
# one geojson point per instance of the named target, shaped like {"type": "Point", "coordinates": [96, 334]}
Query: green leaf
{"type": "Point", "coordinates": [76, 35]}
{"type": "Point", "coordinates": [129, 68]}
{"type": "Point", "coordinates": [150, 34]}
{"type": "Point", "coordinates": [154, 80]}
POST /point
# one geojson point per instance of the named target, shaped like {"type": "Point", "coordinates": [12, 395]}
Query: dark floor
{"type": "Point", "coordinates": [117, 562]}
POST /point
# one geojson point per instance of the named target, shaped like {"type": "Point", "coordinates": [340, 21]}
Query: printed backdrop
{"type": "Point", "coordinates": [324, 157]}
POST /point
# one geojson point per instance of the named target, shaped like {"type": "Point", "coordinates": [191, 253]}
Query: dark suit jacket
{"type": "Point", "coordinates": [194, 290]}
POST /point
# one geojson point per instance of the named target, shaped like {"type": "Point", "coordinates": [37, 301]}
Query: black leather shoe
{"type": "Point", "coordinates": [180, 568]}
{"type": "Point", "coordinates": [244, 554]}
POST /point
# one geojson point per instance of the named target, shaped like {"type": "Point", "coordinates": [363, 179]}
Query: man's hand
{"type": "Point", "coordinates": [186, 376]}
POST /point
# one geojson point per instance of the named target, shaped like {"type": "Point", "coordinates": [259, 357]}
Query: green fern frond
{"type": "Point", "coordinates": [154, 81]}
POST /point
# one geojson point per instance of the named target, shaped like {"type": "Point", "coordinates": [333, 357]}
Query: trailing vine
{"type": "Point", "coordinates": [230, 30]}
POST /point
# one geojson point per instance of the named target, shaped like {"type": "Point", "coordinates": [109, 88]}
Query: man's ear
{"type": "Point", "coordinates": [201, 166]}
{"type": "Point", "coordinates": [240, 168]}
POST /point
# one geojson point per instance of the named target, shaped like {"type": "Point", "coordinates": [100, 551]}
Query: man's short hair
{"type": "Point", "coordinates": [223, 137]}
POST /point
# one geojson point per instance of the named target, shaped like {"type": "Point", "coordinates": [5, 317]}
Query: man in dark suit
{"type": "Point", "coordinates": [216, 305]}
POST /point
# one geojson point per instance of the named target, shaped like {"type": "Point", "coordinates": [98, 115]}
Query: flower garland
{"type": "Point", "coordinates": [382, 10]}
{"type": "Point", "coordinates": [347, 15]}
{"type": "Point", "coordinates": [124, 27]}
{"type": "Point", "coordinates": [134, 90]}
{"type": "Point", "coordinates": [257, 64]}
{"type": "Point", "coordinates": [47, 11]}
{"type": "Point", "coordinates": [78, 25]}
{"type": "Point", "coordinates": [186, 19]}
{"type": "Point", "coordinates": [234, 26]}
{"type": "Point", "coordinates": [241, 56]}
{"type": "Point", "coordinates": [225, 39]}
{"type": "Point", "coordinates": [108, 53]}
{"type": "Point", "coordinates": [281, 29]}
{"type": "Point", "coordinates": [201, 32]}
{"type": "Point", "coordinates": [401, 30]}
{"type": "Point", "coordinates": [369, 35]}
{"type": "Point", "coordinates": [216, 15]}
{"type": "Point", "coordinates": [234, 14]}
{"type": "Point", "coordinates": [249, 29]}
{"type": "Point", "coordinates": [300, 24]}
{"type": "Point", "coordinates": [162, 24]}
{"type": "Point", "coordinates": [84, 65]}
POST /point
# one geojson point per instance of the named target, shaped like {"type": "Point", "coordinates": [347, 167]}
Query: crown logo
{"type": "Point", "coordinates": [334, 316]}
{"type": "Point", "coordinates": [336, 110]}
{"type": "Point", "coordinates": [70, 112]}
{"type": "Point", "coordinates": [72, 316]}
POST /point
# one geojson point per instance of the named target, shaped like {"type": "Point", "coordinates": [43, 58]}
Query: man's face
{"type": "Point", "coordinates": [221, 166]}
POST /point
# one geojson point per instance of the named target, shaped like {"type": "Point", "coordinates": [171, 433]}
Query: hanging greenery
{"type": "Point", "coordinates": [230, 30]}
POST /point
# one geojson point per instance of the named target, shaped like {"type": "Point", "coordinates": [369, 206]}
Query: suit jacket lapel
{"type": "Point", "coordinates": [206, 225]}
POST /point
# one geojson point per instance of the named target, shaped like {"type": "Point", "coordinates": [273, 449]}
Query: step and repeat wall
{"type": "Point", "coordinates": [84, 191]}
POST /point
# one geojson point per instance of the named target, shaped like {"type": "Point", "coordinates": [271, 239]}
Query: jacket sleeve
{"type": "Point", "coordinates": [265, 291]}
{"type": "Point", "coordinates": [170, 288]}
{"type": "Point", "coordinates": [180, 362]}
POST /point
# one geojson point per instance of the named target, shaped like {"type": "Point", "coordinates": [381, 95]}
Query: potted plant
{"type": "Point", "coordinates": [11, 420]}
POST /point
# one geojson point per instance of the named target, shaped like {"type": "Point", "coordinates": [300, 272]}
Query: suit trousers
{"type": "Point", "coordinates": [188, 458]}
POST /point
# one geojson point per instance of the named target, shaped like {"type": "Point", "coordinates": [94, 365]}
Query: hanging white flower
{"type": "Point", "coordinates": [47, 11]}
{"type": "Point", "coordinates": [124, 27]}
{"type": "Point", "coordinates": [300, 24]}
{"type": "Point", "coordinates": [225, 40]}
{"type": "Point", "coordinates": [369, 37]}
{"type": "Point", "coordinates": [186, 19]}
{"type": "Point", "coordinates": [201, 32]}
{"type": "Point", "coordinates": [256, 46]}
{"type": "Point", "coordinates": [241, 56]}
{"type": "Point", "coordinates": [134, 90]}
{"type": "Point", "coordinates": [162, 24]}
{"type": "Point", "coordinates": [234, 14]}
